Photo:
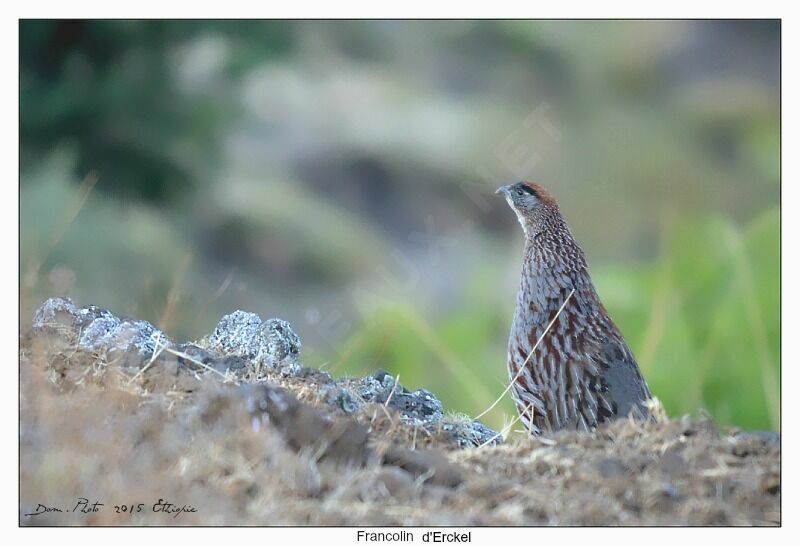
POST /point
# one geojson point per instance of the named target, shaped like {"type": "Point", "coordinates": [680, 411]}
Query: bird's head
{"type": "Point", "coordinates": [532, 204]}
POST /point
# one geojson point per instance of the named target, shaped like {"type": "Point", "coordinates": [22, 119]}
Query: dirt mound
{"type": "Point", "coordinates": [232, 431]}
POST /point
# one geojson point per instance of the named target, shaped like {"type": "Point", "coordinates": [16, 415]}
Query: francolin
{"type": "Point", "coordinates": [582, 372]}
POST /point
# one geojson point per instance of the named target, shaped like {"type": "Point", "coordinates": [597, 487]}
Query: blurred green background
{"type": "Point", "coordinates": [340, 175]}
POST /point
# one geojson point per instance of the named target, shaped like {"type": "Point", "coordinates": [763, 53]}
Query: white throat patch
{"type": "Point", "coordinates": [519, 216]}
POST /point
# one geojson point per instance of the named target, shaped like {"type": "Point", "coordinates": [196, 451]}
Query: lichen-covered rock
{"type": "Point", "coordinates": [123, 335]}
{"type": "Point", "coordinates": [99, 329]}
{"type": "Point", "coordinates": [271, 343]}
{"type": "Point", "coordinates": [240, 344]}
{"type": "Point", "coordinates": [341, 398]}
{"type": "Point", "coordinates": [55, 312]}
{"type": "Point", "coordinates": [472, 434]}
{"type": "Point", "coordinates": [420, 406]}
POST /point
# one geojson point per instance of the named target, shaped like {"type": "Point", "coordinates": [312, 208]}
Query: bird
{"type": "Point", "coordinates": [568, 363]}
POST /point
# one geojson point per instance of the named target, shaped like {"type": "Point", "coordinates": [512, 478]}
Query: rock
{"type": "Point", "coordinates": [270, 343]}
{"type": "Point", "coordinates": [99, 329]}
{"type": "Point", "coordinates": [55, 311]}
{"type": "Point", "coordinates": [221, 363]}
{"type": "Point", "coordinates": [240, 343]}
{"type": "Point", "coordinates": [341, 398]}
{"type": "Point", "coordinates": [420, 407]}
{"type": "Point", "coordinates": [472, 434]}
{"type": "Point", "coordinates": [318, 376]}
{"type": "Point", "coordinates": [115, 334]}
{"type": "Point", "coordinates": [417, 408]}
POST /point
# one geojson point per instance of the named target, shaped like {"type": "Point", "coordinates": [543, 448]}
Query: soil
{"type": "Point", "coordinates": [269, 450]}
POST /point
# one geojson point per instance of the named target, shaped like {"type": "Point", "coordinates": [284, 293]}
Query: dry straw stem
{"type": "Point", "coordinates": [156, 353]}
{"type": "Point", "coordinates": [391, 392]}
{"type": "Point", "coordinates": [195, 361]}
{"type": "Point", "coordinates": [521, 368]}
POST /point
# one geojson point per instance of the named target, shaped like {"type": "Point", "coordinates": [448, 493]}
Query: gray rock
{"type": "Point", "coordinates": [419, 407]}
{"type": "Point", "coordinates": [270, 343]}
{"type": "Point", "coordinates": [320, 377]}
{"type": "Point", "coordinates": [99, 329]}
{"type": "Point", "coordinates": [90, 313]}
{"type": "Point", "coordinates": [55, 311]}
{"type": "Point", "coordinates": [472, 434]}
{"type": "Point", "coordinates": [243, 340]}
{"type": "Point", "coordinates": [123, 335]}
{"type": "Point", "coordinates": [209, 359]}
{"type": "Point", "coordinates": [341, 398]}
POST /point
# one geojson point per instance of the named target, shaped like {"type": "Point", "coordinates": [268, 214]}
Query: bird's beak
{"type": "Point", "coordinates": [503, 190]}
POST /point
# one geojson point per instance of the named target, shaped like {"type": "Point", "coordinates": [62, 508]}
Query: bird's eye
{"type": "Point", "coordinates": [520, 192]}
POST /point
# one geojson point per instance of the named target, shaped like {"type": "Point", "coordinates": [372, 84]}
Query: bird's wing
{"type": "Point", "coordinates": [594, 377]}
{"type": "Point", "coordinates": [627, 389]}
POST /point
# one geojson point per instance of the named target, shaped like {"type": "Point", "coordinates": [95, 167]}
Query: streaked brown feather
{"type": "Point", "coordinates": [582, 373]}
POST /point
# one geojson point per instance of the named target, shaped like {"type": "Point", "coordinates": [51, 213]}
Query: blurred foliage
{"type": "Point", "coordinates": [302, 168]}
{"type": "Point", "coordinates": [110, 90]}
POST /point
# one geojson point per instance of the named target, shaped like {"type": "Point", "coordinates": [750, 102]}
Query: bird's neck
{"type": "Point", "coordinates": [553, 265]}
{"type": "Point", "coordinates": [550, 246]}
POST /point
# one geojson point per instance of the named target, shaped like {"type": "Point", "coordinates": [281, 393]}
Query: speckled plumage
{"type": "Point", "coordinates": [583, 372]}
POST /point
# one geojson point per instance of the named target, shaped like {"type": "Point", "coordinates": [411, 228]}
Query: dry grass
{"type": "Point", "coordinates": [102, 427]}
